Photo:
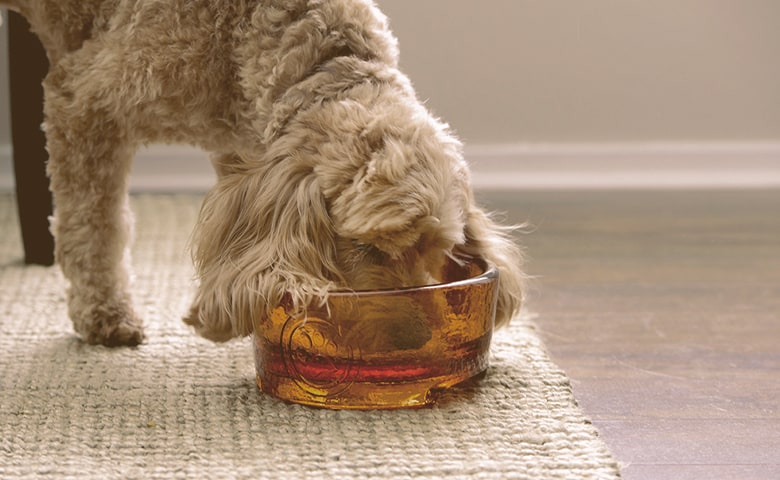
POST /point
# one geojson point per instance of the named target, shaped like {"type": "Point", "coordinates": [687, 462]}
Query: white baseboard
{"type": "Point", "coordinates": [522, 166]}
{"type": "Point", "coordinates": [178, 168]}
{"type": "Point", "coordinates": [626, 166]}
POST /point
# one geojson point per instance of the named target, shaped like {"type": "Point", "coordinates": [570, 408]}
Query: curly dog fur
{"type": "Point", "coordinates": [331, 173]}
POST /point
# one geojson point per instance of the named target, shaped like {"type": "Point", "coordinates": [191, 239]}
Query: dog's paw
{"type": "Point", "coordinates": [122, 333]}
{"type": "Point", "coordinates": [112, 326]}
{"type": "Point", "coordinates": [115, 331]}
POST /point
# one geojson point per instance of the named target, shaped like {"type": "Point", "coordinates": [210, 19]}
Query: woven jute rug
{"type": "Point", "coordinates": [181, 407]}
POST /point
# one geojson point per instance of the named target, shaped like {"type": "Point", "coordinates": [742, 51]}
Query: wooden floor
{"type": "Point", "coordinates": [664, 309]}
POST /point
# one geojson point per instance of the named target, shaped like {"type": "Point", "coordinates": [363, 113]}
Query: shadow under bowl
{"type": "Point", "coordinates": [381, 349]}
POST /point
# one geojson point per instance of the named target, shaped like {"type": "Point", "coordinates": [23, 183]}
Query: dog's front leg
{"type": "Point", "coordinates": [88, 166]}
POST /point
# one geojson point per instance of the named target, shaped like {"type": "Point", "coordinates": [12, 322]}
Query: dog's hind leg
{"type": "Point", "coordinates": [89, 163]}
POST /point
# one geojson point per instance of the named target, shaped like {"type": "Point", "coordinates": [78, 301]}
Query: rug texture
{"type": "Point", "coordinates": [181, 407]}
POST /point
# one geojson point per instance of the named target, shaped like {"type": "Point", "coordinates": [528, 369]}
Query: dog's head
{"type": "Point", "coordinates": [365, 201]}
{"type": "Point", "coordinates": [396, 216]}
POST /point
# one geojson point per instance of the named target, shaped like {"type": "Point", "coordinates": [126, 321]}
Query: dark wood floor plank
{"type": "Point", "coordinates": [644, 394]}
{"type": "Point", "coordinates": [696, 442]}
{"type": "Point", "coordinates": [702, 472]}
{"type": "Point", "coordinates": [664, 309]}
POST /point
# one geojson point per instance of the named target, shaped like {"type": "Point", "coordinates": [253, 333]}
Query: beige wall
{"type": "Point", "coordinates": [502, 71]}
{"type": "Point", "coordinates": [596, 70]}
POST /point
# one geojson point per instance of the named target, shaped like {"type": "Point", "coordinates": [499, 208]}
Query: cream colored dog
{"type": "Point", "coordinates": [331, 174]}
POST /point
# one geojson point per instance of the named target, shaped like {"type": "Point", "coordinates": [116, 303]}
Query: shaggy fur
{"type": "Point", "coordinates": [331, 174]}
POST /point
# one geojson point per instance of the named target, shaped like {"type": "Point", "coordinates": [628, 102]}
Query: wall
{"type": "Point", "coordinates": [596, 70]}
{"type": "Point", "coordinates": [514, 75]}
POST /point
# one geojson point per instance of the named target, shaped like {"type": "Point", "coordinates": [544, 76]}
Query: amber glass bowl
{"type": "Point", "coordinates": [381, 349]}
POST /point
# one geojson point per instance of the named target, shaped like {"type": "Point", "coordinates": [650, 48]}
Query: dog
{"type": "Point", "coordinates": [331, 174]}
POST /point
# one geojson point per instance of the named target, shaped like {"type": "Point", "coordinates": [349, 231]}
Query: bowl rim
{"type": "Point", "coordinates": [489, 273]}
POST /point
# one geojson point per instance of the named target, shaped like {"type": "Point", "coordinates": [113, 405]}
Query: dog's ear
{"type": "Point", "coordinates": [261, 235]}
{"type": "Point", "coordinates": [402, 193]}
{"type": "Point", "coordinates": [492, 241]}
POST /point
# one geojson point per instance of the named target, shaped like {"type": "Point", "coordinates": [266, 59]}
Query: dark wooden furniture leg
{"type": "Point", "coordinates": [27, 67]}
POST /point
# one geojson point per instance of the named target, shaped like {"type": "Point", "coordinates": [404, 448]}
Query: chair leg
{"type": "Point", "coordinates": [27, 67]}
